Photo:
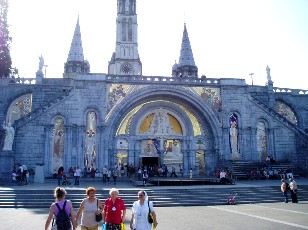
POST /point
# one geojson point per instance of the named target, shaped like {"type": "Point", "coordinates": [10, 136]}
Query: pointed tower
{"type": "Point", "coordinates": [75, 63]}
{"type": "Point", "coordinates": [125, 60]}
{"type": "Point", "coordinates": [186, 66]}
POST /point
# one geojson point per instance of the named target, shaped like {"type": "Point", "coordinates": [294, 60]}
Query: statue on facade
{"type": "Point", "coordinates": [160, 124]}
{"type": "Point", "coordinates": [234, 140]}
{"type": "Point", "coordinates": [268, 71]}
{"type": "Point", "coordinates": [9, 137]}
{"type": "Point", "coordinates": [41, 63]}
{"type": "Point", "coordinates": [58, 149]}
{"type": "Point", "coordinates": [90, 149]}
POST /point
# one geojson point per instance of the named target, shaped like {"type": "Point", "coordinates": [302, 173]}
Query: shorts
{"type": "Point", "coordinates": [110, 226]}
{"type": "Point", "coordinates": [90, 228]}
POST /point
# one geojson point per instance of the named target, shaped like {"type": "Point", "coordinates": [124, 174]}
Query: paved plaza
{"type": "Point", "coordinates": [241, 216]}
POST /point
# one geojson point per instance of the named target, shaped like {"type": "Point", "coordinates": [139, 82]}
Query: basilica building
{"type": "Point", "coordinates": [184, 120]}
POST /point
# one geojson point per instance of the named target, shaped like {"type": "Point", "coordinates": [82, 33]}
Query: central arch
{"type": "Point", "coordinates": [180, 106]}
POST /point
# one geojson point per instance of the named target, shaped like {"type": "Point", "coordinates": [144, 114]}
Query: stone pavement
{"type": "Point", "coordinates": [246, 216]}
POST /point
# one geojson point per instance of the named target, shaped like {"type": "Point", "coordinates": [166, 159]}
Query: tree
{"type": "Point", "coordinates": [6, 70]}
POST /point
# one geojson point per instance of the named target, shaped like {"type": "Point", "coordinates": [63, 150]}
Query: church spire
{"type": "Point", "coordinates": [75, 60]}
{"type": "Point", "coordinates": [125, 60]}
{"type": "Point", "coordinates": [186, 65]}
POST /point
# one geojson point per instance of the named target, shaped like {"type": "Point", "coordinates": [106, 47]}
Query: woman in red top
{"type": "Point", "coordinates": [114, 211]}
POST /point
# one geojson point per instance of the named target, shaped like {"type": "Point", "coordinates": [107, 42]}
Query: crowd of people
{"type": "Point", "coordinates": [267, 172]}
{"type": "Point", "coordinates": [112, 211]}
{"type": "Point", "coordinates": [118, 171]}
{"type": "Point", "coordinates": [21, 174]}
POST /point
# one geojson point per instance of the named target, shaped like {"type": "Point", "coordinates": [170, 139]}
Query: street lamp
{"type": "Point", "coordinates": [45, 69]}
{"type": "Point", "coordinates": [251, 78]}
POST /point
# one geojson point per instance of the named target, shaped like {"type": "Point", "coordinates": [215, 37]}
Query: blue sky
{"type": "Point", "coordinates": [229, 39]}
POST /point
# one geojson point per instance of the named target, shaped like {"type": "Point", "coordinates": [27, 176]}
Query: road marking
{"type": "Point", "coordinates": [263, 218]}
{"type": "Point", "coordinates": [279, 209]}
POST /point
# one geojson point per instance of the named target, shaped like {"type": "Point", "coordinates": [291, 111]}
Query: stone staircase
{"type": "Point", "coordinates": [162, 197]}
{"type": "Point", "coordinates": [240, 168]}
{"type": "Point", "coordinates": [300, 133]}
{"type": "Point", "coordinates": [37, 112]}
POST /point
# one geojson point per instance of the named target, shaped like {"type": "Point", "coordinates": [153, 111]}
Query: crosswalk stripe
{"type": "Point", "coordinates": [262, 218]}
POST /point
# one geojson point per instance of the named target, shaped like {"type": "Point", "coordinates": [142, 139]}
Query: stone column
{"type": "Point", "coordinates": [67, 148]}
{"type": "Point", "coordinates": [135, 152]}
{"type": "Point", "coordinates": [225, 153]}
{"type": "Point", "coordinates": [186, 164]}
{"type": "Point", "coordinates": [192, 159]}
{"type": "Point", "coordinates": [99, 143]}
{"type": "Point", "coordinates": [80, 147]}
{"type": "Point", "coordinates": [131, 153]}
{"type": "Point", "coordinates": [48, 151]}
{"type": "Point", "coordinates": [161, 150]}
{"type": "Point", "coordinates": [208, 162]}
{"type": "Point", "coordinates": [253, 147]}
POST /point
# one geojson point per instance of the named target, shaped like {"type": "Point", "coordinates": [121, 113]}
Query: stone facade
{"type": "Point", "coordinates": [198, 119]}
{"type": "Point", "coordinates": [93, 120]}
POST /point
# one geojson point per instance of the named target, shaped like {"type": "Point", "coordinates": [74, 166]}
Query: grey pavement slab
{"type": "Point", "coordinates": [245, 216]}
{"type": "Point", "coordinates": [259, 216]}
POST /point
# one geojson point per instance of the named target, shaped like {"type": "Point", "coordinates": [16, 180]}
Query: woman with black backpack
{"type": "Point", "coordinates": [61, 212]}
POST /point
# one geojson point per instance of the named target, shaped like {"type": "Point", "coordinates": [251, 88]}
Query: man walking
{"type": "Point", "coordinates": [173, 172]}
{"type": "Point", "coordinates": [78, 174]}
{"type": "Point", "coordinates": [105, 172]}
{"type": "Point", "coordinates": [293, 188]}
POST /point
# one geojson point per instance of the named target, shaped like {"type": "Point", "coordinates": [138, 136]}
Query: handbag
{"type": "Point", "coordinates": [150, 216]}
{"type": "Point", "coordinates": [122, 226]}
{"type": "Point", "coordinates": [53, 225]}
{"type": "Point", "coordinates": [98, 217]}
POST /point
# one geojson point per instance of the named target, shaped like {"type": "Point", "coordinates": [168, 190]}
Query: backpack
{"type": "Point", "coordinates": [62, 219]}
{"type": "Point", "coordinates": [287, 186]}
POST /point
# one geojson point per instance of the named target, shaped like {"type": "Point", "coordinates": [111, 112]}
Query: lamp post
{"type": "Point", "coordinates": [251, 74]}
{"type": "Point", "coordinates": [45, 66]}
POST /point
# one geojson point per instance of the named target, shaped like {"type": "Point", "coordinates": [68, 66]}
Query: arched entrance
{"type": "Point", "coordinates": [149, 161]}
{"type": "Point", "coordinates": [164, 130]}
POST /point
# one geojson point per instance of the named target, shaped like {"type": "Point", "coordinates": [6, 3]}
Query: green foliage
{"type": "Point", "coordinates": [6, 70]}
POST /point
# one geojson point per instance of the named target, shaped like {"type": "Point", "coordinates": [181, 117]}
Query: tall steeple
{"type": "Point", "coordinates": [125, 60]}
{"type": "Point", "coordinates": [75, 61]}
{"type": "Point", "coordinates": [186, 66]}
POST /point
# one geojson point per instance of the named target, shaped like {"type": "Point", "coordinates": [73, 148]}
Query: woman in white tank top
{"type": "Point", "coordinates": [88, 208]}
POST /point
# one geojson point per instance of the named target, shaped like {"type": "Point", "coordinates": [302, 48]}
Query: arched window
{"type": "Point", "coordinates": [130, 30]}
{"type": "Point", "coordinates": [57, 145]}
{"type": "Point", "coordinates": [19, 107]}
{"type": "Point", "coordinates": [286, 112]}
{"type": "Point", "coordinates": [90, 141]}
{"type": "Point", "coordinates": [124, 30]}
{"type": "Point", "coordinates": [261, 141]}
{"type": "Point", "coordinates": [233, 137]}
{"type": "Point", "coordinates": [122, 152]}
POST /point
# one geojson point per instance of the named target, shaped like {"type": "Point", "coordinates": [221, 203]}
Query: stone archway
{"type": "Point", "coordinates": [177, 102]}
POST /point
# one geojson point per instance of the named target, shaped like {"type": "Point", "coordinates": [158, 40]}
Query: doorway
{"type": "Point", "coordinates": [149, 161]}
